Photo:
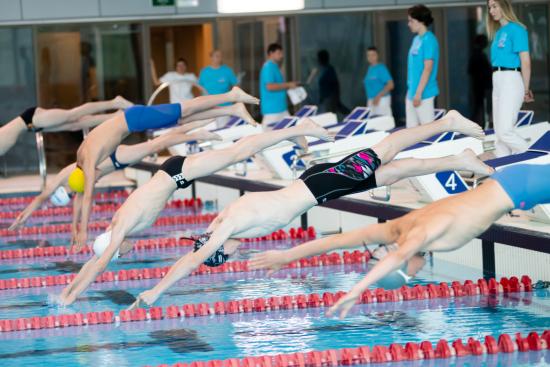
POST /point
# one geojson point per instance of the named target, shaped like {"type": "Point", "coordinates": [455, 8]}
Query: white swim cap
{"type": "Point", "coordinates": [60, 197]}
{"type": "Point", "coordinates": [100, 244]}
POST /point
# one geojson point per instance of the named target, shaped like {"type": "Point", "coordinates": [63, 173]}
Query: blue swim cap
{"type": "Point", "coordinates": [397, 278]}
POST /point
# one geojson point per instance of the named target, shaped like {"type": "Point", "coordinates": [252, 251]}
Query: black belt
{"type": "Point", "coordinates": [502, 68]}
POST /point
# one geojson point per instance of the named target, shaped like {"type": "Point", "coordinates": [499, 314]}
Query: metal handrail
{"type": "Point", "coordinates": [157, 92]}
{"type": "Point", "coordinates": [42, 168]}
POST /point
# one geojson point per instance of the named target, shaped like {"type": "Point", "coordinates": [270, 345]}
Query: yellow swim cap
{"type": "Point", "coordinates": [76, 180]}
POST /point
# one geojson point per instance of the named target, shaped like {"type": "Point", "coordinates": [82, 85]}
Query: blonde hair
{"type": "Point", "coordinates": [507, 13]}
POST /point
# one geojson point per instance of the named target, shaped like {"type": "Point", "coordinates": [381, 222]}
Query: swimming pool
{"type": "Point", "coordinates": [237, 314]}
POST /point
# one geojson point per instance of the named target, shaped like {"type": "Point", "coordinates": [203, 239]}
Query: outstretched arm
{"type": "Point", "coordinates": [87, 201]}
{"type": "Point", "coordinates": [77, 211]}
{"type": "Point", "coordinates": [50, 188]}
{"type": "Point", "coordinates": [274, 260]}
{"type": "Point", "coordinates": [185, 266]}
{"type": "Point", "coordinates": [394, 260]}
{"type": "Point", "coordinates": [92, 269]}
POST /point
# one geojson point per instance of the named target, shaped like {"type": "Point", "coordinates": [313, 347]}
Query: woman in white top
{"type": "Point", "coordinates": [181, 82]}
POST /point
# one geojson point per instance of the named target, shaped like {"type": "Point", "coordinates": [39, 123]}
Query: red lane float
{"type": "Point", "coordinates": [100, 208]}
{"type": "Point", "coordinates": [101, 225]}
{"type": "Point", "coordinates": [101, 196]}
{"type": "Point", "coordinates": [300, 301]}
{"type": "Point", "coordinates": [364, 354]}
{"type": "Point", "coordinates": [159, 243]}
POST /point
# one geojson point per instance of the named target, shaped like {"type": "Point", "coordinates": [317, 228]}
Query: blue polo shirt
{"type": "Point", "coordinates": [376, 79]}
{"type": "Point", "coordinates": [509, 41]}
{"type": "Point", "coordinates": [217, 80]}
{"type": "Point", "coordinates": [271, 101]}
{"type": "Point", "coordinates": [423, 48]}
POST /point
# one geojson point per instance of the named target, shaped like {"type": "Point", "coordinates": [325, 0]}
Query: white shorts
{"type": "Point", "coordinates": [383, 108]}
{"type": "Point", "coordinates": [420, 115]}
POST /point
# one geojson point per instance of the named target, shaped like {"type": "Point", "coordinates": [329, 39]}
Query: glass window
{"type": "Point", "coordinates": [17, 93]}
{"type": "Point", "coordinates": [328, 32]}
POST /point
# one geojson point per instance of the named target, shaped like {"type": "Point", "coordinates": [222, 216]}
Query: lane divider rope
{"type": "Point", "coordinates": [444, 349]}
{"type": "Point", "coordinates": [100, 208]}
{"type": "Point", "coordinates": [100, 196]}
{"type": "Point", "coordinates": [301, 301]}
{"type": "Point", "coordinates": [148, 244]}
{"type": "Point", "coordinates": [101, 225]}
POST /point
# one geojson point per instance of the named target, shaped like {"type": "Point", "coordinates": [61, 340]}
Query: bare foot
{"type": "Point", "coordinates": [472, 163]}
{"type": "Point", "coordinates": [300, 141]}
{"type": "Point", "coordinates": [238, 95]}
{"type": "Point", "coordinates": [122, 103]}
{"type": "Point", "coordinates": [312, 129]}
{"type": "Point", "coordinates": [206, 135]}
{"type": "Point", "coordinates": [464, 126]}
{"type": "Point", "coordinates": [239, 110]}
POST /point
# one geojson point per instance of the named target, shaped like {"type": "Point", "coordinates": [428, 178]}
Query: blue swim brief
{"type": "Point", "coordinates": [141, 118]}
{"type": "Point", "coordinates": [526, 184]}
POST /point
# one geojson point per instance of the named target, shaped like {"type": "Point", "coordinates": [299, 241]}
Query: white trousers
{"type": "Point", "coordinates": [273, 117]}
{"type": "Point", "coordinates": [508, 94]}
{"type": "Point", "coordinates": [420, 115]}
{"type": "Point", "coordinates": [383, 108]}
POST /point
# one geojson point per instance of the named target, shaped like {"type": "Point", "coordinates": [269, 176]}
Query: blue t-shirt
{"type": "Point", "coordinates": [376, 79]}
{"type": "Point", "coordinates": [509, 41]}
{"type": "Point", "coordinates": [271, 101]}
{"type": "Point", "coordinates": [217, 80]}
{"type": "Point", "coordinates": [423, 48]}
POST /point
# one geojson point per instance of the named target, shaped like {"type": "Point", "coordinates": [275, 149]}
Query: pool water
{"type": "Point", "coordinates": [218, 337]}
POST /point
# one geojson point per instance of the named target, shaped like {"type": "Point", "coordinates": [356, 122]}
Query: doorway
{"type": "Point", "coordinates": [194, 43]}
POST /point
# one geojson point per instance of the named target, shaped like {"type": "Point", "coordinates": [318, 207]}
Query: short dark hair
{"type": "Point", "coordinates": [372, 48]}
{"type": "Point", "coordinates": [421, 13]}
{"type": "Point", "coordinates": [181, 59]}
{"type": "Point", "coordinates": [273, 47]}
{"type": "Point", "coordinates": [323, 57]}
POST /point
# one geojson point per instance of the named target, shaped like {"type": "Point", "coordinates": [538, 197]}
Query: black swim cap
{"type": "Point", "coordinates": [217, 258]}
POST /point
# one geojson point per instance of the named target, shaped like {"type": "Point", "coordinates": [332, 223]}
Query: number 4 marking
{"type": "Point", "coordinates": [451, 182]}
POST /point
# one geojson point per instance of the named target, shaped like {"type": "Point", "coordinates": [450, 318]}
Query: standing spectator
{"type": "Point", "coordinates": [423, 61]}
{"type": "Point", "coordinates": [181, 82]}
{"type": "Point", "coordinates": [273, 87]}
{"type": "Point", "coordinates": [378, 85]}
{"type": "Point", "coordinates": [511, 74]}
{"type": "Point", "coordinates": [329, 86]}
{"type": "Point", "coordinates": [479, 70]}
{"type": "Point", "coordinates": [217, 78]}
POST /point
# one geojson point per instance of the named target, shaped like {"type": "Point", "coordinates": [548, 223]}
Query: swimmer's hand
{"type": "Point", "coordinates": [272, 260]}
{"type": "Point", "coordinates": [344, 304]}
{"type": "Point", "coordinates": [18, 223]}
{"type": "Point", "coordinates": [80, 240]}
{"type": "Point", "coordinates": [146, 298]}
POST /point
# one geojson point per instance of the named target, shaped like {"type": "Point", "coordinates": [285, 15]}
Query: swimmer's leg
{"type": "Point", "coordinates": [390, 146]}
{"type": "Point", "coordinates": [52, 117]}
{"type": "Point", "coordinates": [206, 163]}
{"type": "Point", "coordinates": [203, 103]}
{"type": "Point", "coordinates": [9, 134]}
{"type": "Point", "coordinates": [237, 109]}
{"type": "Point", "coordinates": [399, 169]}
{"type": "Point", "coordinates": [84, 122]}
